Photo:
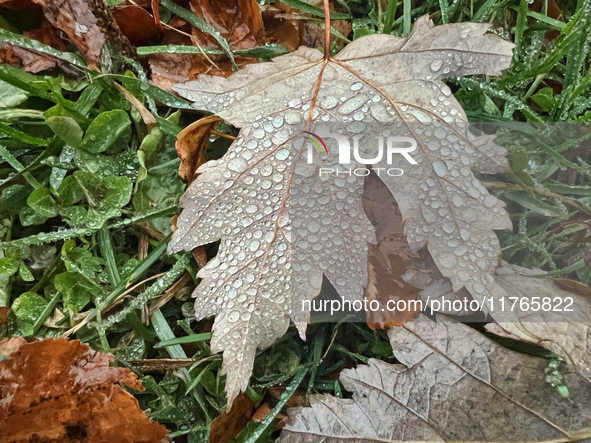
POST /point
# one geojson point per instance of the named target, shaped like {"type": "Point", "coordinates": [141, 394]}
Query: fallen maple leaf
{"type": "Point", "coordinates": [454, 384]}
{"type": "Point", "coordinates": [247, 197]}
{"type": "Point", "coordinates": [59, 390]}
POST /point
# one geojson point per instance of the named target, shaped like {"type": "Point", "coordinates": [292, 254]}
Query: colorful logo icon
{"type": "Point", "coordinates": [315, 142]}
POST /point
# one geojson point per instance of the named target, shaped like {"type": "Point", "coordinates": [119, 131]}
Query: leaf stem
{"type": "Point", "coordinates": [326, 30]}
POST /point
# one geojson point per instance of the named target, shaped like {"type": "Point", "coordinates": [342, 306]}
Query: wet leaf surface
{"type": "Point", "coordinates": [371, 80]}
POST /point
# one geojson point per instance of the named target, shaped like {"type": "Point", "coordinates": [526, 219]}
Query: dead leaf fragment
{"type": "Point", "coordinates": [238, 21]}
{"type": "Point", "coordinates": [11, 345]}
{"type": "Point", "coordinates": [564, 332]}
{"type": "Point", "coordinates": [388, 259]}
{"type": "Point", "coordinates": [280, 27]}
{"type": "Point", "coordinates": [59, 390]}
{"type": "Point", "coordinates": [32, 61]}
{"type": "Point", "coordinates": [78, 22]}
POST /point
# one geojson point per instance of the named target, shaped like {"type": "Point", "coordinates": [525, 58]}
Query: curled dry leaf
{"type": "Point", "coordinates": [191, 145]}
{"type": "Point", "coordinates": [59, 390]}
{"type": "Point", "coordinates": [454, 384]}
{"type": "Point", "coordinates": [244, 198]}
{"type": "Point", "coordinates": [78, 22]}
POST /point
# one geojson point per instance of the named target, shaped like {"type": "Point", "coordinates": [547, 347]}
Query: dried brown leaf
{"type": "Point", "coordinates": [137, 25]}
{"type": "Point", "coordinates": [227, 426]}
{"type": "Point", "coordinates": [238, 21]}
{"type": "Point", "coordinates": [58, 390]}
{"type": "Point", "coordinates": [563, 327]}
{"type": "Point", "coordinates": [280, 28]}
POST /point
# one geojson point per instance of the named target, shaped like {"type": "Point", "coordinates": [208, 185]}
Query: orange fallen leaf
{"type": "Point", "coordinates": [227, 426]}
{"type": "Point", "coordinates": [137, 25]}
{"type": "Point", "coordinates": [238, 21]}
{"type": "Point", "coordinates": [59, 390]}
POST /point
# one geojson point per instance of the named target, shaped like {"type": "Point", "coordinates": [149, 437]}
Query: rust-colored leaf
{"type": "Point", "coordinates": [137, 25]}
{"type": "Point", "coordinates": [59, 390]}
{"type": "Point", "coordinates": [77, 21]}
{"type": "Point", "coordinates": [227, 426]}
{"type": "Point", "coordinates": [388, 259]}
{"type": "Point", "coordinates": [49, 35]}
{"type": "Point", "coordinates": [191, 144]}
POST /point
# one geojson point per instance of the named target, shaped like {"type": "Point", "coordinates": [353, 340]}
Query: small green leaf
{"type": "Point", "coordinates": [93, 187]}
{"type": "Point", "coordinates": [29, 306]}
{"type": "Point", "coordinates": [28, 217]}
{"type": "Point", "coordinates": [104, 130]}
{"type": "Point", "coordinates": [74, 215]}
{"type": "Point", "coordinates": [67, 129]}
{"type": "Point", "coordinates": [25, 273]}
{"type": "Point", "coordinates": [11, 96]}
{"type": "Point", "coordinates": [8, 265]}
{"type": "Point", "coordinates": [69, 191]}
{"type": "Point", "coordinates": [75, 292]}
{"type": "Point", "coordinates": [42, 203]}
{"type": "Point", "coordinates": [118, 192]}
{"type": "Point", "coordinates": [545, 98]}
